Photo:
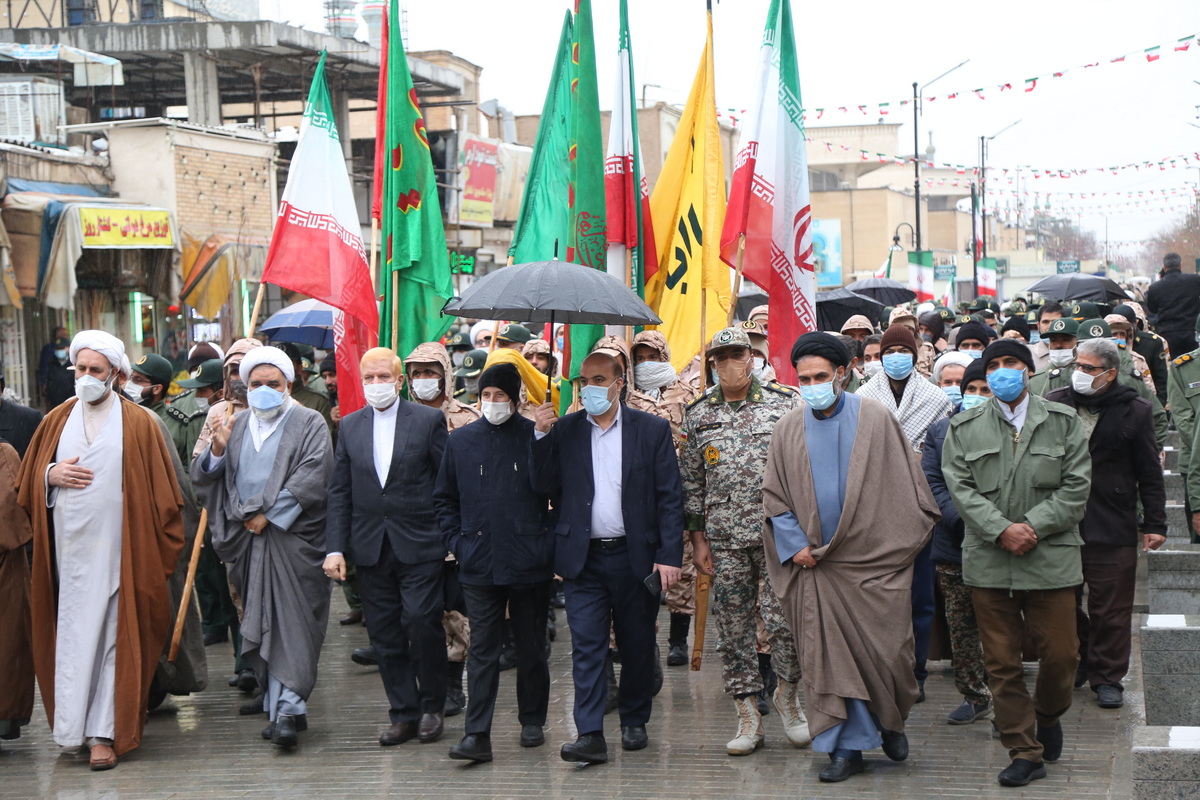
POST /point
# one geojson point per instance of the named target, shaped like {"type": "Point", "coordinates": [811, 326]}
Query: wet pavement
{"type": "Point", "coordinates": [199, 747]}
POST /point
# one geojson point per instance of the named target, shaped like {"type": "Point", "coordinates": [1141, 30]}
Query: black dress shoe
{"type": "Point", "coordinates": [532, 736]}
{"type": "Point", "coordinates": [1081, 676]}
{"type": "Point", "coordinates": [353, 618]}
{"type": "Point", "coordinates": [284, 734]}
{"type": "Point", "coordinates": [677, 656]}
{"type": "Point", "coordinates": [430, 728]}
{"type": "Point", "coordinates": [233, 680]}
{"type": "Point", "coordinates": [247, 681]}
{"type": "Point", "coordinates": [252, 706]}
{"type": "Point", "coordinates": [633, 737]}
{"type": "Point", "coordinates": [895, 745]}
{"type": "Point", "coordinates": [1052, 742]}
{"type": "Point", "coordinates": [399, 733]}
{"type": "Point", "coordinates": [216, 637]}
{"type": "Point", "coordinates": [366, 656]}
{"type": "Point", "coordinates": [589, 748]}
{"type": "Point", "coordinates": [1021, 771]}
{"type": "Point", "coordinates": [473, 747]}
{"type": "Point", "coordinates": [920, 693]}
{"type": "Point", "coordinates": [1109, 697]}
{"type": "Point", "coordinates": [841, 768]}
{"type": "Point", "coordinates": [301, 721]}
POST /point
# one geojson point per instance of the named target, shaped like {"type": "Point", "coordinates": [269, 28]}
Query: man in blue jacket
{"type": "Point", "coordinates": [499, 531]}
{"type": "Point", "coordinates": [618, 543]}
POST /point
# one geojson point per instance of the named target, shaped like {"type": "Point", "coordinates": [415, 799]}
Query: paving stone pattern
{"type": "Point", "coordinates": [198, 747]}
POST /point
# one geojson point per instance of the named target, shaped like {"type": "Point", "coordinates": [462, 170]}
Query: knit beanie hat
{"type": "Point", "coordinates": [898, 335]}
{"type": "Point", "coordinates": [1008, 347]}
{"type": "Point", "coordinates": [505, 378]}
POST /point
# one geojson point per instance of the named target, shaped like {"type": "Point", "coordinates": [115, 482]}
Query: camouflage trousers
{"type": "Point", "coordinates": [681, 597]}
{"type": "Point", "coordinates": [740, 582]}
{"type": "Point", "coordinates": [970, 678]}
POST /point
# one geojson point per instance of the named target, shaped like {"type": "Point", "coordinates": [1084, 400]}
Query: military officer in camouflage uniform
{"type": "Point", "coordinates": [426, 368]}
{"type": "Point", "coordinates": [1150, 346]}
{"type": "Point", "coordinates": [728, 433]}
{"type": "Point", "coordinates": [1183, 389]}
{"type": "Point", "coordinates": [1122, 331]}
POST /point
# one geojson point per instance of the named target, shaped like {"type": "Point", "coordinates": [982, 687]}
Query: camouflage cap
{"type": "Point", "coordinates": [729, 337]}
{"type": "Point", "coordinates": [1118, 321]}
{"type": "Point", "coordinates": [472, 364]}
{"type": "Point", "coordinates": [155, 367]}
{"type": "Point", "coordinates": [1094, 328]}
{"type": "Point", "coordinates": [1063, 327]}
{"type": "Point", "coordinates": [758, 336]}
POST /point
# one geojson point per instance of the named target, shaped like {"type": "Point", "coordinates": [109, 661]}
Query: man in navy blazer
{"type": "Point", "coordinates": [615, 477]}
{"type": "Point", "coordinates": [381, 516]}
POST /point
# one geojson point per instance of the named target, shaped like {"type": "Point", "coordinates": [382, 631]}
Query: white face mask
{"type": "Point", "coordinates": [426, 388]}
{"type": "Point", "coordinates": [760, 370]}
{"type": "Point", "coordinates": [653, 374]}
{"type": "Point", "coordinates": [90, 389]}
{"type": "Point", "coordinates": [202, 404]}
{"type": "Point", "coordinates": [497, 413]}
{"type": "Point", "coordinates": [457, 358]}
{"type": "Point", "coordinates": [1060, 358]}
{"type": "Point", "coordinates": [873, 368]}
{"type": "Point", "coordinates": [1083, 383]}
{"type": "Point", "coordinates": [379, 395]}
{"type": "Point", "coordinates": [133, 392]}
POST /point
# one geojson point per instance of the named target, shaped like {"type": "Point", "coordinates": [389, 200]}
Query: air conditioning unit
{"type": "Point", "coordinates": [32, 109]}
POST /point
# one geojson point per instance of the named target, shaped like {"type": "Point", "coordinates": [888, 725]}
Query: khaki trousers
{"type": "Point", "coordinates": [1048, 617]}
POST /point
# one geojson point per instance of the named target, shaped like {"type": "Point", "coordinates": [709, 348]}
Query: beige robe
{"type": "Point", "coordinates": [852, 613]}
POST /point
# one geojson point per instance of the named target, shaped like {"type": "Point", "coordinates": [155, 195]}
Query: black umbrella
{"type": "Point", "coordinates": [838, 305]}
{"type": "Point", "coordinates": [553, 291]}
{"type": "Point", "coordinates": [1079, 286]}
{"type": "Point", "coordinates": [885, 290]}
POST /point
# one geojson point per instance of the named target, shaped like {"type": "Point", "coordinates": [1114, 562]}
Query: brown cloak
{"type": "Point", "coordinates": [153, 536]}
{"type": "Point", "coordinates": [16, 655]}
{"type": "Point", "coordinates": [852, 613]}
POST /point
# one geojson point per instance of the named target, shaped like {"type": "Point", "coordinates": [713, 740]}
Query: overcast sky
{"type": "Point", "coordinates": [871, 51]}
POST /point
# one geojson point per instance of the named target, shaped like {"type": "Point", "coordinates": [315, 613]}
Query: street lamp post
{"type": "Point", "coordinates": [983, 143]}
{"type": "Point", "coordinates": [917, 93]}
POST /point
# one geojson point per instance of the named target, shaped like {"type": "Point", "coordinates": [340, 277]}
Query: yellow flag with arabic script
{"type": "Point", "coordinates": [688, 208]}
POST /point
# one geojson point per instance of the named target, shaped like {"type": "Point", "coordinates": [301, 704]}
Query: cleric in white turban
{"type": "Point", "coordinates": [264, 479]}
{"type": "Point", "coordinates": [99, 469]}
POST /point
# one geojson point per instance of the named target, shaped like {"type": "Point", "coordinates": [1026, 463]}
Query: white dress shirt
{"type": "Point", "coordinates": [1015, 416]}
{"type": "Point", "coordinates": [383, 433]}
{"type": "Point", "coordinates": [608, 520]}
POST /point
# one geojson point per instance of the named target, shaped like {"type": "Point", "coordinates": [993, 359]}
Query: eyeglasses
{"type": "Point", "coordinates": [1090, 370]}
{"type": "Point", "coordinates": [485, 340]}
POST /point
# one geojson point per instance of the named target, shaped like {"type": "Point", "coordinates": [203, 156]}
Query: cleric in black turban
{"type": "Point", "coordinates": [825, 345]}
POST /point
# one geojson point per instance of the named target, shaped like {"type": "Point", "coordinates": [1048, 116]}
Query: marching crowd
{"type": "Point", "coordinates": [1010, 458]}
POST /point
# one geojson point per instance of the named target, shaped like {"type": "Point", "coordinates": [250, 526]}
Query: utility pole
{"type": "Point", "coordinates": [917, 93]}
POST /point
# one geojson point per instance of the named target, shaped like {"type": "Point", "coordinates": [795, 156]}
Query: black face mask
{"type": "Point", "coordinates": [237, 392]}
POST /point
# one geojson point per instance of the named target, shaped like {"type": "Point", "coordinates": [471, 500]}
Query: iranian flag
{"type": "Point", "coordinates": [631, 253]}
{"type": "Point", "coordinates": [769, 206]}
{"type": "Point", "coordinates": [920, 274]}
{"type": "Point", "coordinates": [317, 247]}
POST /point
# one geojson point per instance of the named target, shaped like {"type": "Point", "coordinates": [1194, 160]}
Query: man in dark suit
{"type": "Point", "coordinates": [616, 479]}
{"type": "Point", "coordinates": [388, 455]}
{"type": "Point", "coordinates": [17, 422]}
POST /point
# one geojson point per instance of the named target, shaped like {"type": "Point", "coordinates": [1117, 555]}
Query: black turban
{"type": "Point", "coordinates": [825, 345]}
{"type": "Point", "coordinates": [1008, 347]}
{"type": "Point", "coordinates": [975, 371]}
{"type": "Point", "coordinates": [504, 377]}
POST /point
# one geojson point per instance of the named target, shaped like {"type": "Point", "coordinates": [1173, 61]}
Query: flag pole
{"type": "Point", "coordinates": [629, 285]}
{"type": "Point", "coordinates": [374, 247]}
{"type": "Point", "coordinates": [262, 289]}
{"type": "Point", "coordinates": [737, 279]}
{"type": "Point", "coordinates": [396, 311]}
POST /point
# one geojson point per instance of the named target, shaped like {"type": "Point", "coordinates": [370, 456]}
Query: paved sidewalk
{"type": "Point", "coordinates": [198, 747]}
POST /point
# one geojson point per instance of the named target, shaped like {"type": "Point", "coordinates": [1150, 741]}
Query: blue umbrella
{"type": "Point", "coordinates": [307, 322]}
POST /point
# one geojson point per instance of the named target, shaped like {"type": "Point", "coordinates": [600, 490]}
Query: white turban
{"type": "Point", "coordinates": [103, 343]}
{"type": "Point", "coordinates": [952, 358]}
{"type": "Point", "coordinates": [487, 324]}
{"type": "Point", "coordinates": [266, 355]}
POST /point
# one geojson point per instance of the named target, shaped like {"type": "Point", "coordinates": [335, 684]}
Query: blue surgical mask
{"type": "Point", "coordinates": [953, 394]}
{"type": "Point", "coordinates": [264, 398]}
{"type": "Point", "coordinates": [819, 395]}
{"type": "Point", "coordinates": [1007, 383]}
{"type": "Point", "coordinates": [595, 400]}
{"type": "Point", "coordinates": [1035, 336]}
{"type": "Point", "coordinates": [970, 401]}
{"type": "Point", "coordinates": [61, 355]}
{"type": "Point", "coordinates": [898, 365]}
{"type": "Point", "coordinates": [973, 353]}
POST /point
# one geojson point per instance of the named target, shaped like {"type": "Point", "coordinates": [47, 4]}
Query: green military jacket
{"type": "Point", "coordinates": [185, 421]}
{"type": "Point", "coordinates": [1041, 476]}
{"type": "Point", "coordinates": [1183, 390]}
{"type": "Point", "coordinates": [160, 408]}
{"type": "Point", "coordinates": [1153, 348]}
{"type": "Point", "coordinates": [319, 403]}
{"type": "Point", "coordinates": [724, 455]}
{"type": "Point", "coordinates": [1046, 381]}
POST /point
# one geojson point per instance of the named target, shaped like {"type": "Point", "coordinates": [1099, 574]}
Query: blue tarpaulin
{"type": "Point", "coordinates": [53, 187]}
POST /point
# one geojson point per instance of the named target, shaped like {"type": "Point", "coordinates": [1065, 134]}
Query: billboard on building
{"type": "Point", "coordinates": [477, 177]}
{"type": "Point", "coordinates": [827, 252]}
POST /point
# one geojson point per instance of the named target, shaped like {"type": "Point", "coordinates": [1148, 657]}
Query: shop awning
{"type": "Point", "coordinates": [91, 69]}
{"type": "Point", "coordinates": [211, 265]}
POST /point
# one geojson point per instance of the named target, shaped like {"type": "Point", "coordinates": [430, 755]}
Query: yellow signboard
{"type": "Point", "coordinates": [126, 227]}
